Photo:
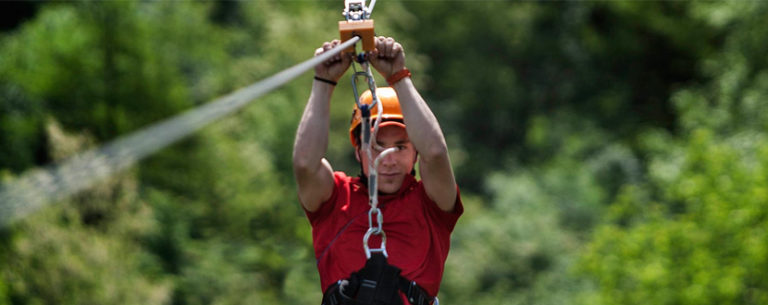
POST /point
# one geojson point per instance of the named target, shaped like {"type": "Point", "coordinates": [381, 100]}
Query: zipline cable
{"type": "Point", "coordinates": [40, 186]}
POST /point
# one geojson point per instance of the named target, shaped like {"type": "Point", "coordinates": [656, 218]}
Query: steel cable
{"type": "Point", "coordinates": [37, 187]}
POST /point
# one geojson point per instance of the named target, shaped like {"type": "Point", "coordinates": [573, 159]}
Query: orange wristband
{"type": "Point", "coordinates": [394, 78]}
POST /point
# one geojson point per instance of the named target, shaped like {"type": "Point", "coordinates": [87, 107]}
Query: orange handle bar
{"type": "Point", "coordinates": [362, 28]}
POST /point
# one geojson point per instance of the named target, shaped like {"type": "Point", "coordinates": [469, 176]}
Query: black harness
{"type": "Point", "coordinates": [378, 283]}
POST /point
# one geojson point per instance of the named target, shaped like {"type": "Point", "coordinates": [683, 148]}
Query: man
{"type": "Point", "coordinates": [418, 215]}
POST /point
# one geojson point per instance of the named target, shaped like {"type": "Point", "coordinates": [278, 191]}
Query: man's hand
{"type": "Point", "coordinates": [388, 57]}
{"type": "Point", "coordinates": [333, 68]}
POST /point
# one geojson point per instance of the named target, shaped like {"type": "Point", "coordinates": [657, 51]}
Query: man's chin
{"type": "Point", "coordinates": [388, 189]}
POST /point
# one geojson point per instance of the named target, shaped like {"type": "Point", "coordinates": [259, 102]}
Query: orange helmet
{"type": "Point", "coordinates": [392, 114]}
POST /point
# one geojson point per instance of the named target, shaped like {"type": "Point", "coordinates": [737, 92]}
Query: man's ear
{"type": "Point", "coordinates": [413, 168]}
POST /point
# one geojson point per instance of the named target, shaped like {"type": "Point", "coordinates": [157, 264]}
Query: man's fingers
{"type": "Point", "coordinates": [335, 43]}
{"type": "Point", "coordinates": [328, 46]}
{"type": "Point", "coordinates": [387, 47]}
{"type": "Point", "coordinates": [389, 44]}
{"type": "Point", "coordinates": [380, 47]}
{"type": "Point", "coordinates": [396, 49]}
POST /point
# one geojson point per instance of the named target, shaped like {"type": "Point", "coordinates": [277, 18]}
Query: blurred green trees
{"type": "Point", "coordinates": [696, 234]}
{"type": "Point", "coordinates": [608, 152]}
{"type": "Point", "coordinates": [694, 231]}
{"type": "Point", "coordinates": [499, 71]}
{"type": "Point", "coordinates": [203, 222]}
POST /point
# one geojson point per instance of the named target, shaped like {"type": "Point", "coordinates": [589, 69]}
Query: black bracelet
{"type": "Point", "coordinates": [325, 80]}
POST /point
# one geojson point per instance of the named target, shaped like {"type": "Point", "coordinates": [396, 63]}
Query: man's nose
{"type": "Point", "coordinates": [388, 159]}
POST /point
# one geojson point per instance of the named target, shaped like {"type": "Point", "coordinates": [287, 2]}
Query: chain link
{"type": "Point", "coordinates": [368, 142]}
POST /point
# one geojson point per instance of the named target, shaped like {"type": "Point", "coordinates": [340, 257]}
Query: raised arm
{"type": "Point", "coordinates": [421, 124]}
{"type": "Point", "coordinates": [313, 173]}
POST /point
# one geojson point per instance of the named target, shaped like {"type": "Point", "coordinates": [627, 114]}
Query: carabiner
{"type": "Point", "coordinates": [382, 249]}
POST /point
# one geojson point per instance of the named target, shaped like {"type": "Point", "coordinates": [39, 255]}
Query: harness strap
{"type": "Point", "coordinates": [414, 293]}
{"type": "Point", "coordinates": [377, 283]}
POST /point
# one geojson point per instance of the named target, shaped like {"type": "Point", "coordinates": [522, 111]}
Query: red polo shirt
{"type": "Point", "coordinates": [418, 232]}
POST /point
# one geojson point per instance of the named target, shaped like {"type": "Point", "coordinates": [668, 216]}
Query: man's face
{"type": "Point", "coordinates": [395, 165]}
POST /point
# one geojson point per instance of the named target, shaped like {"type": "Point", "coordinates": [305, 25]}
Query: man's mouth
{"type": "Point", "coordinates": [387, 175]}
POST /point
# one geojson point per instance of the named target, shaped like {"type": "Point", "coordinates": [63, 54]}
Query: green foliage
{"type": "Point", "coordinates": [216, 203]}
{"type": "Point", "coordinates": [3, 293]}
{"type": "Point", "coordinates": [99, 43]}
{"type": "Point", "coordinates": [608, 152]}
{"type": "Point", "coordinates": [21, 128]}
{"type": "Point", "coordinates": [736, 98]}
{"type": "Point", "coordinates": [702, 241]}
{"type": "Point", "coordinates": [609, 63]}
{"type": "Point", "coordinates": [519, 250]}
{"type": "Point", "coordinates": [59, 260]}
{"type": "Point", "coordinates": [83, 251]}
{"type": "Point", "coordinates": [694, 232]}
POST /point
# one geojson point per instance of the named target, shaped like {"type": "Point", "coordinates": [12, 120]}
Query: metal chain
{"type": "Point", "coordinates": [366, 136]}
{"type": "Point", "coordinates": [356, 10]}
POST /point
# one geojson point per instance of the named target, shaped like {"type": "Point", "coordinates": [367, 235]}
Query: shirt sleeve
{"type": "Point", "coordinates": [327, 207]}
{"type": "Point", "coordinates": [447, 219]}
